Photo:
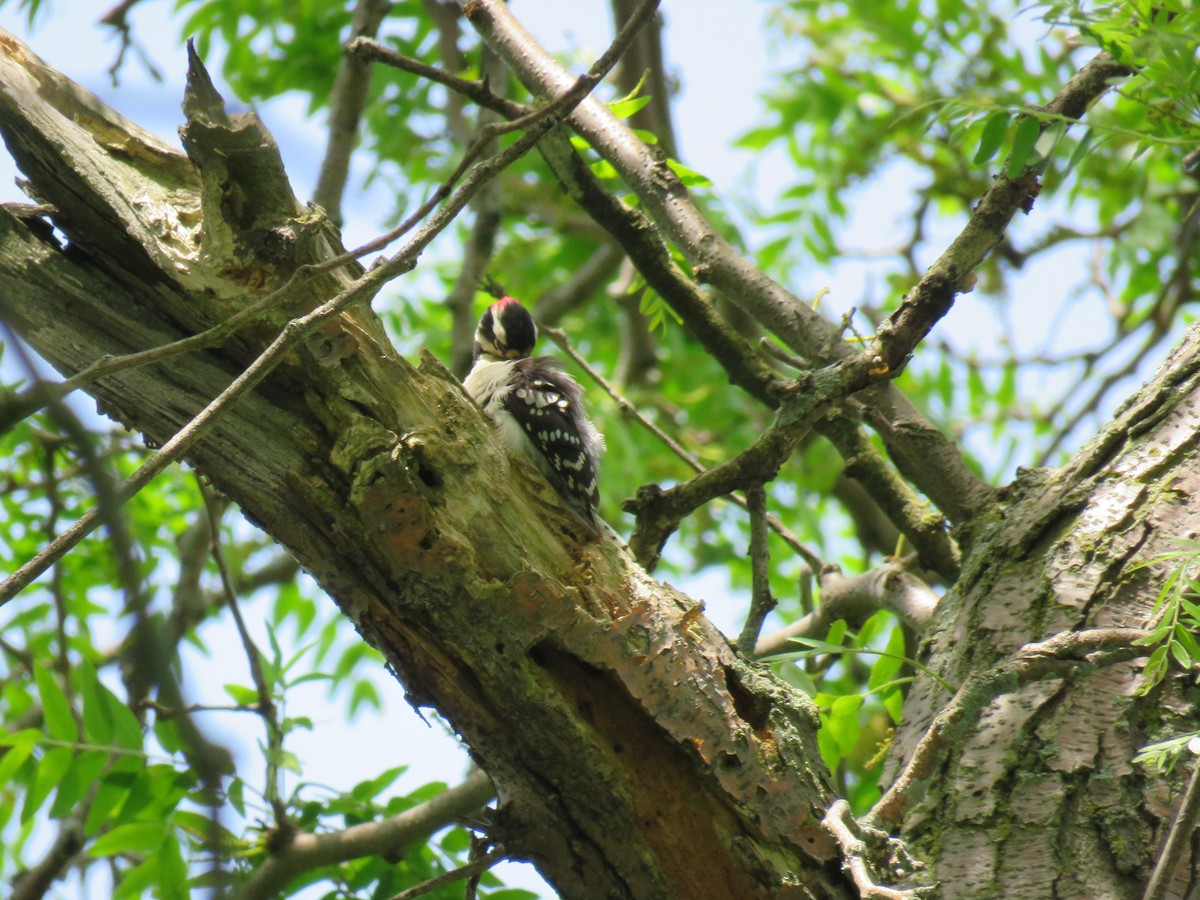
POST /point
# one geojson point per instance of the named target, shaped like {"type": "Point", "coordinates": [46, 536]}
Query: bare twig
{"type": "Point", "coordinates": [855, 599]}
{"type": "Point", "coordinates": [481, 244]}
{"type": "Point", "coordinates": [444, 17]}
{"type": "Point", "coordinates": [853, 851]}
{"type": "Point", "coordinates": [99, 473]}
{"type": "Point", "coordinates": [214, 506]}
{"type": "Point", "coordinates": [628, 409]}
{"type": "Point", "coordinates": [585, 281]}
{"type": "Point", "coordinates": [386, 837]}
{"type": "Point", "coordinates": [117, 18]}
{"type": "Point", "coordinates": [35, 882]}
{"type": "Point", "coordinates": [1091, 404]}
{"type": "Point", "coordinates": [659, 512]}
{"type": "Point", "coordinates": [645, 64]}
{"type": "Point", "coordinates": [1179, 838]}
{"type": "Point", "coordinates": [476, 91]}
{"type": "Point", "coordinates": [470, 870]}
{"type": "Point", "coordinates": [761, 601]}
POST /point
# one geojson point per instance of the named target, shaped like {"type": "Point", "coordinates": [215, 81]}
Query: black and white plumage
{"type": "Point", "coordinates": [537, 407]}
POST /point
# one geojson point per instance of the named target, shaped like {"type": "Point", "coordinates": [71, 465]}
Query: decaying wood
{"type": "Point", "coordinates": [635, 753]}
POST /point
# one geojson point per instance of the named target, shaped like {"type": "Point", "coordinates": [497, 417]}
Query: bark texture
{"type": "Point", "coordinates": [635, 753]}
{"type": "Point", "coordinates": [1039, 796]}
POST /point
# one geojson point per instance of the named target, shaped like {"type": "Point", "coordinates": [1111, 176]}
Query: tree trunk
{"type": "Point", "coordinates": [635, 753]}
{"type": "Point", "coordinates": [1038, 797]}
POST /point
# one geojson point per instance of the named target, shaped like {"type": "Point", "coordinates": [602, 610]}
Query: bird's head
{"type": "Point", "coordinates": [505, 331]}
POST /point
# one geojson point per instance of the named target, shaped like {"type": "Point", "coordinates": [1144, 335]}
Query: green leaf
{"type": "Point", "coordinates": [1181, 655]}
{"type": "Point", "coordinates": [844, 728]}
{"type": "Point", "coordinates": [173, 882]}
{"type": "Point", "coordinates": [758, 138]}
{"type": "Point", "coordinates": [85, 769]}
{"type": "Point", "coordinates": [846, 705]}
{"type": "Point", "coordinates": [20, 746]}
{"type": "Point", "coordinates": [97, 720]}
{"type": "Point", "coordinates": [884, 668]}
{"type": "Point", "coordinates": [603, 169]}
{"type": "Point", "coordinates": [994, 130]}
{"type": "Point", "coordinates": [113, 789]}
{"type": "Point", "coordinates": [893, 702]}
{"type": "Point", "coordinates": [372, 788]}
{"type": "Point", "coordinates": [47, 774]}
{"type": "Point", "coordinates": [60, 721]}
{"type": "Point", "coordinates": [236, 795]}
{"type": "Point", "coordinates": [242, 695]}
{"type": "Point", "coordinates": [134, 837]}
{"type": "Point", "coordinates": [364, 693]}
{"type": "Point", "coordinates": [689, 177]}
{"type": "Point", "coordinates": [105, 717]}
{"type": "Point", "coordinates": [1081, 150]}
{"type": "Point", "coordinates": [623, 109]}
{"type": "Point", "coordinates": [837, 633]}
{"type": "Point", "coordinates": [1155, 668]}
{"type": "Point", "coordinates": [140, 880]}
{"type": "Point", "coordinates": [1028, 130]}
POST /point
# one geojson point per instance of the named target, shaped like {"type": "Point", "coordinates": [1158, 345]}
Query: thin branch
{"type": "Point", "coordinates": [470, 870]}
{"type": "Point", "coordinates": [386, 837]}
{"type": "Point", "coordinates": [100, 474]}
{"type": "Point", "coordinates": [347, 100]}
{"type": "Point", "coordinates": [35, 882]}
{"type": "Point", "coordinates": [628, 409]}
{"type": "Point", "coordinates": [1179, 838]}
{"type": "Point", "coordinates": [761, 601]}
{"type": "Point", "coordinates": [583, 283]}
{"type": "Point", "coordinates": [853, 853]}
{"type": "Point", "coordinates": [637, 358]}
{"type": "Point", "coordinates": [934, 294]}
{"type": "Point", "coordinates": [444, 17]}
{"type": "Point", "coordinates": [922, 524]}
{"type": "Point", "coordinates": [855, 599]}
{"type": "Point", "coordinates": [1091, 404]}
{"type": "Point", "coordinates": [117, 18]}
{"type": "Point", "coordinates": [1061, 656]}
{"type": "Point", "coordinates": [480, 245]}
{"type": "Point", "coordinates": [659, 512]}
{"type": "Point", "coordinates": [166, 712]}
{"type": "Point", "coordinates": [266, 704]}
{"type": "Point", "coordinates": [477, 91]}
{"type": "Point", "coordinates": [645, 64]}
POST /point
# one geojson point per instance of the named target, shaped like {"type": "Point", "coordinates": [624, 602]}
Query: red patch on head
{"type": "Point", "coordinates": [505, 301]}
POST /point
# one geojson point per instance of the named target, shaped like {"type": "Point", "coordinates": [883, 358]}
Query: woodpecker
{"type": "Point", "coordinates": [537, 407]}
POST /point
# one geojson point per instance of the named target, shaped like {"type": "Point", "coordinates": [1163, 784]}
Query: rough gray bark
{"type": "Point", "coordinates": [634, 752]}
{"type": "Point", "coordinates": [1040, 797]}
